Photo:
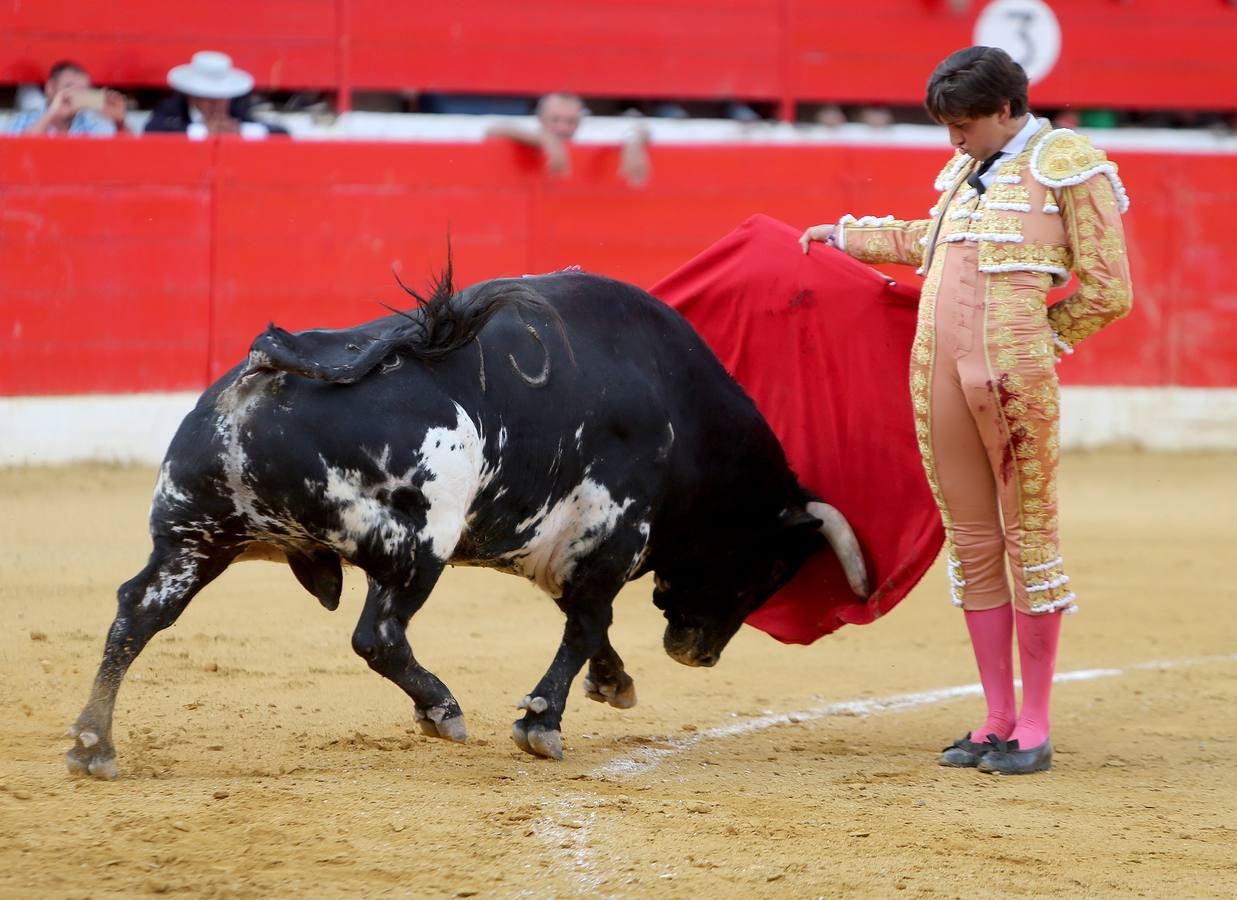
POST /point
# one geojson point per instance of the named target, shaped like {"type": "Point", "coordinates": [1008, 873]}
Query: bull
{"type": "Point", "coordinates": [568, 428]}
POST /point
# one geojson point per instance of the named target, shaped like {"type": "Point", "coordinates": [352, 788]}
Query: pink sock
{"type": "Point", "coordinates": [992, 635]}
{"type": "Point", "coordinates": [1037, 655]}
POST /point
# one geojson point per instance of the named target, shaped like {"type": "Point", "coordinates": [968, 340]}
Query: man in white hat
{"type": "Point", "coordinates": [207, 103]}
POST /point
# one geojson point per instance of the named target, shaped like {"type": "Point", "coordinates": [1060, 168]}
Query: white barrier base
{"type": "Point", "coordinates": [126, 428]}
{"type": "Point", "coordinates": [136, 428]}
{"type": "Point", "coordinates": [1170, 418]}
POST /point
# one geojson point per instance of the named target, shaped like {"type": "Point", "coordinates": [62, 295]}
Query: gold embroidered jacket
{"type": "Point", "coordinates": [1046, 211]}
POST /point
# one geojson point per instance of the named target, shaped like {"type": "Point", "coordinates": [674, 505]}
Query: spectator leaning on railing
{"type": "Point", "coordinates": [72, 106]}
{"type": "Point", "coordinates": [209, 101]}
{"type": "Point", "coordinates": [558, 118]}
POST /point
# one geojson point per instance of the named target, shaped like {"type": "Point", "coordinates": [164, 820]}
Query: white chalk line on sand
{"type": "Point", "coordinates": [568, 828]}
{"type": "Point", "coordinates": [648, 758]}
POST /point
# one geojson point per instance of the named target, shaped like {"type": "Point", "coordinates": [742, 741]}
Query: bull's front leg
{"type": "Point", "coordinates": [589, 613]}
{"type": "Point", "coordinates": [381, 639]}
{"type": "Point", "coordinates": [607, 681]}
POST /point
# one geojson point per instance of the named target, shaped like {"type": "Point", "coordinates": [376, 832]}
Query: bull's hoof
{"type": "Point", "coordinates": [621, 695]}
{"type": "Point", "coordinates": [437, 722]}
{"type": "Point", "coordinates": [536, 740]}
{"type": "Point", "coordinates": [90, 756]}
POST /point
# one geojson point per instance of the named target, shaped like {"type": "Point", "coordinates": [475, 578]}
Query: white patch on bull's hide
{"type": "Point", "coordinates": [664, 450]}
{"type": "Point", "coordinates": [195, 531]}
{"type": "Point", "coordinates": [565, 533]}
{"type": "Point", "coordinates": [202, 530]}
{"type": "Point", "coordinates": [360, 514]}
{"type": "Point", "coordinates": [166, 491]}
{"type": "Point", "coordinates": [454, 469]}
{"type": "Point", "coordinates": [580, 436]}
{"type": "Point", "coordinates": [638, 560]}
{"type": "Point", "coordinates": [454, 457]}
{"type": "Point", "coordinates": [172, 584]}
{"type": "Point", "coordinates": [234, 405]}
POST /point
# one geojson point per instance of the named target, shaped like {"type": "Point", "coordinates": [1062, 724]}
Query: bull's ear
{"type": "Point", "coordinates": [797, 517]}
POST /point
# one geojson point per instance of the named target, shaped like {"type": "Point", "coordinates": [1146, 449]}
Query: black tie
{"type": "Point", "coordinates": [973, 178]}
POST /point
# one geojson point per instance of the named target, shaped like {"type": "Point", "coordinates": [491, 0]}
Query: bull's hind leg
{"type": "Point", "coordinates": [381, 639]}
{"type": "Point", "coordinates": [146, 604]}
{"type": "Point", "coordinates": [607, 681]}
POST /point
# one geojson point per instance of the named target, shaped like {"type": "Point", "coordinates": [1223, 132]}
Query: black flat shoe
{"type": "Point", "coordinates": [965, 753]}
{"type": "Point", "coordinates": [1008, 759]}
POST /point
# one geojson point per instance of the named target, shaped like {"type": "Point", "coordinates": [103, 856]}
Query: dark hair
{"type": "Point", "coordinates": [974, 82]}
{"type": "Point", "coordinates": [65, 65]}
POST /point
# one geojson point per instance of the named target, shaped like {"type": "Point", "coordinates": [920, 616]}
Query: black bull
{"type": "Point", "coordinates": [567, 427]}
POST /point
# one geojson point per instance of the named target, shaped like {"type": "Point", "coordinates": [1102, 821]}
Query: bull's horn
{"type": "Point", "coordinates": [841, 538]}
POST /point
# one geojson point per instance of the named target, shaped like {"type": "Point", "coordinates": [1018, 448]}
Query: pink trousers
{"type": "Point", "coordinates": [984, 389]}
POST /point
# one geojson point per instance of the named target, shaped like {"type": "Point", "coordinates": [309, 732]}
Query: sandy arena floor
{"type": "Point", "coordinates": [261, 758]}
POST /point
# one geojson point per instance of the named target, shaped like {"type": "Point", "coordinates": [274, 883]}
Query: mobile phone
{"type": "Point", "coordinates": [88, 98]}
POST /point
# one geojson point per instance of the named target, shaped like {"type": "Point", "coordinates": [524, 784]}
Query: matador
{"type": "Point", "coordinates": [1007, 227]}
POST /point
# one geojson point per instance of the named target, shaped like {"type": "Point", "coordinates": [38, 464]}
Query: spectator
{"type": "Point", "coordinates": [558, 118]}
{"type": "Point", "coordinates": [876, 116]}
{"type": "Point", "coordinates": [71, 106]}
{"type": "Point", "coordinates": [210, 101]}
{"type": "Point", "coordinates": [741, 112]}
{"type": "Point", "coordinates": [831, 116]}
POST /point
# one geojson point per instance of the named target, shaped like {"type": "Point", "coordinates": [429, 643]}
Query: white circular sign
{"type": "Point", "coordinates": [1025, 29]}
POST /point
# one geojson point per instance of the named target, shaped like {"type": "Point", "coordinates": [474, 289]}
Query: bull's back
{"type": "Point", "coordinates": [538, 405]}
{"type": "Point", "coordinates": [640, 336]}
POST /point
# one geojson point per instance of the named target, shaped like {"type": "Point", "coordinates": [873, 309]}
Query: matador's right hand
{"type": "Point", "coordinates": [817, 233]}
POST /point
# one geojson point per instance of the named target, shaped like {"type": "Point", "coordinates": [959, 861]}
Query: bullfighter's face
{"type": "Point", "coordinates": [981, 136]}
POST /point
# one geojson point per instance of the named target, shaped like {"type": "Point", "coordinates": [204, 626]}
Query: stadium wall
{"type": "Point", "coordinates": [134, 272]}
{"type": "Point", "coordinates": [1155, 53]}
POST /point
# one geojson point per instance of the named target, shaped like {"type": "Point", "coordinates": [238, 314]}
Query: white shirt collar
{"type": "Point", "coordinates": [1016, 145]}
{"type": "Point", "coordinates": [1019, 141]}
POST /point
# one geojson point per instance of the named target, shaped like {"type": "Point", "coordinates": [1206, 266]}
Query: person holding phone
{"type": "Point", "coordinates": [73, 106]}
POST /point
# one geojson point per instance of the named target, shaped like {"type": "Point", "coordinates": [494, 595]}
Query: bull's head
{"type": "Point", "coordinates": [706, 600]}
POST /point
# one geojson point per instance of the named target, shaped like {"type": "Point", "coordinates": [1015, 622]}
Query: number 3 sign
{"type": "Point", "coordinates": [1025, 29]}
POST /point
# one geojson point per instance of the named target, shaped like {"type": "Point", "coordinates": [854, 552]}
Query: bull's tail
{"type": "Point", "coordinates": [437, 327]}
{"type": "Point", "coordinates": [282, 351]}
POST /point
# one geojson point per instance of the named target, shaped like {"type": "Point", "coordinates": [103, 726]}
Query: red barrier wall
{"type": "Point", "coordinates": [283, 43]}
{"type": "Point", "coordinates": [1149, 54]}
{"type": "Point", "coordinates": [138, 265]}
